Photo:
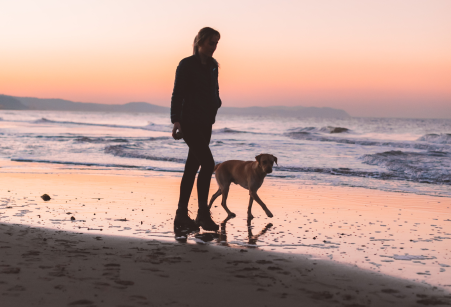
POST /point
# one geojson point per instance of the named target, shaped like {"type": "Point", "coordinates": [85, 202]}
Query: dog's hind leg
{"type": "Point", "coordinates": [225, 193]}
{"type": "Point", "coordinates": [249, 214]}
{"type": "Point", "coordinates": [259, 201]}
{"type": "Point", "coordinates": [213, 198]}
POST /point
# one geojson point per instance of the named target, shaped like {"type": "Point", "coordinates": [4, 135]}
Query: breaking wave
{"type": "Point", "coordinates": [330, 129]}
{"type": "Point", "coordinates": [308, 135]}
{"type": "Point", "coordinates": [426, 167]}
{"type": "Point", "coordinates": [327, 129]}
{"type": "Point", "coordinates": [130, 152]}
{"type": "Point", "coordinates": [442, 138]}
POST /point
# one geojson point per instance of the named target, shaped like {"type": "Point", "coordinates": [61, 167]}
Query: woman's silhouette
{"type": "Point", "coordinates": [195, 102]}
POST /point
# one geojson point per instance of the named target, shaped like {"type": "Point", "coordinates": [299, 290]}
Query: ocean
{"type": "Point", "coordinates": [389, 154]}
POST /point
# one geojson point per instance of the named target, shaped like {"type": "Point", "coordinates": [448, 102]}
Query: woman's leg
{"type": "Point", "coordinates": [197, 137]}
{"type": "Point", "coordinates": [186, 186]}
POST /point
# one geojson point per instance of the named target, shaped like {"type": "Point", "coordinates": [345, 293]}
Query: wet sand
{"type": "Point", "coordinates": [339, 246]}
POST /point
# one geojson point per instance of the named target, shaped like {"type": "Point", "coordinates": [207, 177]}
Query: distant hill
{"type": "Point", "coordinates": [30, 103]}
{"type": "Point", "coordinates": [67, 105]}
{"type": "Point", "coordinates": [11, 103]}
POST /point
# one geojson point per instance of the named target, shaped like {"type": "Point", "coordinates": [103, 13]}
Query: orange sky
{"type": "Point", "coordinates": [384, 58]}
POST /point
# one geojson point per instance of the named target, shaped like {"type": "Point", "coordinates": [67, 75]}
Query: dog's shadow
{"type": "Point", "coordinates": [252, 239]}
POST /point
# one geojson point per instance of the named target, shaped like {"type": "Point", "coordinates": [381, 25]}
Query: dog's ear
{"type": "Point", "coordinates": [258, 158]}
{"type": "Point", "coordinates": [275, 160]}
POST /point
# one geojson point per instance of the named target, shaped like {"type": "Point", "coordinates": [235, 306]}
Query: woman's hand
{"type": "Point", "coordinates": [175, 135]}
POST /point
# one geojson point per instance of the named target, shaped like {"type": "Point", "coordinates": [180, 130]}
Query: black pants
{"type": "Point", "coordinates": [197, 136]}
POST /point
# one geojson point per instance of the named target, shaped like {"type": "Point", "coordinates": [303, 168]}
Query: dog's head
{"type": "Point", "coordinates": [266, 161]}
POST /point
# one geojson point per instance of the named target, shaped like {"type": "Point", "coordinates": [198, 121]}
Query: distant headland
{"type": "Point", "coordinates": [54, 104]}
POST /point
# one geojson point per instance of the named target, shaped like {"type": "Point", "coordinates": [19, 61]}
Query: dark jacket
{"type": "Point", "coordinates": [195, 97]}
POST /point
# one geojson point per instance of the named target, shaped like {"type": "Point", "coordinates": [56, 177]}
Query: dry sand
{"type": "Point", "coordinates": [324, 247]}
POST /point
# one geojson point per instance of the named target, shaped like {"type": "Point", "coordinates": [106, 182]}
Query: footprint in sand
{"type": "Point", "coordinates": [10, 271]}
{"type": "Point", "coordinates": [81, 302]}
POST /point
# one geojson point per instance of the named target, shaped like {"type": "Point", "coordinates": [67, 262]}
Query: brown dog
{"type": "Point", "coordinates": [248, 174]}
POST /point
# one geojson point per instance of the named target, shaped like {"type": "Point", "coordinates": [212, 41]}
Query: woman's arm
{"type": "Point", "coordinates": [220, 101]}
{"type": "Point", "coordinates": [217, 82]}
{"type": "Point", "coordinates": [178, 94]}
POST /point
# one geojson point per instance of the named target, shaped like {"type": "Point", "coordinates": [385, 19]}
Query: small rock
{"type": "Point", "coordinates": [72, 218]}
{"type": "Point", "coordinates": [45, 197]}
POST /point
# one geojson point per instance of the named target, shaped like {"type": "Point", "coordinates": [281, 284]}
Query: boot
{"type": "Point", "coordinates": [204, 220]}
{"type": "Point", "coordinates": [182, 221]}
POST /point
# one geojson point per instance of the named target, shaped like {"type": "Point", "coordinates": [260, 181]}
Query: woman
{"type": "Point", "coordinates": [195, 102]}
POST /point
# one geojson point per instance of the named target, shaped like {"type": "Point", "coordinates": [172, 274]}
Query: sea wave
{"type": "Point", "coordinates": [131, 152]}
{"type": "Point", "coordinates": [43, 120]}
{"type": "Point", "coordinates": [309, 136]}
{"type": "Point", "coordinates": [326, 129]}
{"type": "Point", "coordinates": [330, 129]}
{"type": "Point", "coordinates": [217, 143]}
{"type": "Point", "coordinates": [228, 130]}
{"type": "Point", "coordinates": [156, 127]}
{"type": "Point", "coordinates": [442, 138]}
{"type": "Point", "coordinates": [86, 139]}
{"type": "Point", "coordinates": [337, 172]}
{"type": "Point", "coordinates": [433, 167]}
{"type": "Point", "coordinates": [150, 126]}
{"type": "Point", "coordinates": [98, 164]}
{"type": "Point", "coordinates": [428, 167]}
{"type": "Point", "coordinates": [73, 163]}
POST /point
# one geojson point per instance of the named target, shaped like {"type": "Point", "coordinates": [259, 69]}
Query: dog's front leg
{"type": "Point", "coordinates": [213, 198]}
{"type": "Point", "coordinates": [249, 214]}
{"type": "Point", "coordinates": [259, 201]}
{"type": "Point", "coordinates": [225, 193]}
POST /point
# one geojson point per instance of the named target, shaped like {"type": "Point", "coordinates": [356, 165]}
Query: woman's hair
{"type": "Point", "coordinates": [202, 36]}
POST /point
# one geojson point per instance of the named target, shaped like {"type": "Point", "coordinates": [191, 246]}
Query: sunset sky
{"type": "Point", "coordinates": [370, 58]}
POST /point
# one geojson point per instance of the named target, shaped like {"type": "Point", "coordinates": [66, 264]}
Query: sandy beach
{"type": "Point", "coordinates": [105, 239]}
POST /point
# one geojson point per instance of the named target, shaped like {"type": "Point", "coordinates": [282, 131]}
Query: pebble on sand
{"type": "Point", "coordinates": [46, 197]}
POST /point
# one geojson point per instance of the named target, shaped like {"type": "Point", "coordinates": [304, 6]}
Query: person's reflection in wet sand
{"type": "Point", "coordinates": [252, 239]}
{"type": "Point", "coordinates": [221, 236]}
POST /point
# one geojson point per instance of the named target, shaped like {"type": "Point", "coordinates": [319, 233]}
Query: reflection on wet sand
{"type": "Point", "coordinates": [252, 239]}
{"type": "Point", "coordinates": [221, 236]}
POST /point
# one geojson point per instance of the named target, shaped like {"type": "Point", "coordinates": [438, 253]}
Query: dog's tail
{"type": "Point", "coordinates": [216, 167]}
